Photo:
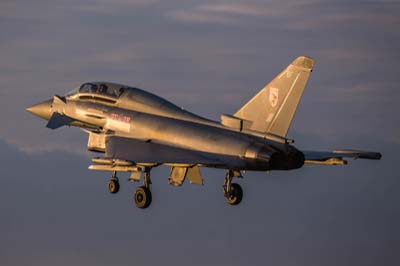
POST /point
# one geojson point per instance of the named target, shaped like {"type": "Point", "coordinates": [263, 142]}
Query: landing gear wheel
{"type": "Point", "coordinates": [234, 195]}
{"type": "Point", "coordinates": [142, 197]}
{"type": "Point", "coordinates": [113, 186]}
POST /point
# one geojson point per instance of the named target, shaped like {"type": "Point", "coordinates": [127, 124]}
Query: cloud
{"type": "Point", "coordinates": [59, 9]}
{"type": "Point", "coordinates": [49, 147]}
{"type": "Point", "coordinates": [224, 13]}
{"type": "Point", "coordinates": [112, 7]}
{"type": "Point", "coordinates": [345, 54]}
{"type": "Point", "coordinates": [117, 56]}
{"type": "Point", "coordinates": [243, 12]}
{"type": "Point", "coordinates": [198, 16]}
{"type": "Point", "coordinates": [245, 9]}
{"type": "Point", "coordinates": [345, 14]}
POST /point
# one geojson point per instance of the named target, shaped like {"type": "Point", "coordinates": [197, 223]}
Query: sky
{"type": "Point", "coordinates": [209, 57]}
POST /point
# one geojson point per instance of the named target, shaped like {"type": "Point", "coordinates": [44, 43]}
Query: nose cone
{"type": "Point", "coordinates": [42, 110]}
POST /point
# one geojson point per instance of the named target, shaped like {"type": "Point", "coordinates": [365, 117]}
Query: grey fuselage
{"type": "Point", "coordinates": [140, 115]}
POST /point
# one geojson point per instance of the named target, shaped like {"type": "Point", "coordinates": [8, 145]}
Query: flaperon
{"type": "Point", "coordinates": [137, 130]}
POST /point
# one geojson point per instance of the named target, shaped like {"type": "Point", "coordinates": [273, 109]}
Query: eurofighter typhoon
{"type": "Point", "coordinates": [137, 131]}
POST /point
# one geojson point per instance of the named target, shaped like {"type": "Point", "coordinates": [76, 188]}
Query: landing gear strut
{"type": "Point", "coordinates": [113, 184]}
{"type": "Point", "coordinates": [142, 195]}
{"type": "Point", "coordinates": [233, 192]}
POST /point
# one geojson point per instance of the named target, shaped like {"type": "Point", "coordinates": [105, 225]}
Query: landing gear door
{"type": "Point", "coordinates": [179, 174]}
{"type": "Point", "coordinates": [96, 142]}
{"type": "Point", "coordinates": [194, 175]}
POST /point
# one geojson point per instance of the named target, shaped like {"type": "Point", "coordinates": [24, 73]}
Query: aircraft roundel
{"type": "Point", "coordinates": [273, 96]}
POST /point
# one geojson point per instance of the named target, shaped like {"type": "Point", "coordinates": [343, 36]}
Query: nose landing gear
{"type": "Point", "coordinates": [113, 184]}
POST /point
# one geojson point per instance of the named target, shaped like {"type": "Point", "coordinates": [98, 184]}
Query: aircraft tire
{"type": "Point", "coordinates": [113, 186]}
{"type": "Point", "coordinates": [142, 197]}
{"type": "Point", "coordinates": [235, 194]}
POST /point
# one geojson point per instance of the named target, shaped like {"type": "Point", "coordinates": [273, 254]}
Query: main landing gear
{"type": "Point", "coordinates": [233, 192]}
{"type": "Point", "coordinates": [142, 195]}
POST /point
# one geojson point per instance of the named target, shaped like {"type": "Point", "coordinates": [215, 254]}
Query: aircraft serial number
{"type": "Point", "coordinates": [120, 117]}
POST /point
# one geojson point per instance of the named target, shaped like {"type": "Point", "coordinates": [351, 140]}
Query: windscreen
{"type": "Point", "coordinates": [109, 90]}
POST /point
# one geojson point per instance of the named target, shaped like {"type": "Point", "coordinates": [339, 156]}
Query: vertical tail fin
{"type": "Point", "coordinates": [272, 109]}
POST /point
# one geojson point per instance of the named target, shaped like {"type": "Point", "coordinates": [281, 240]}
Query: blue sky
{"type": "Point", "coordinates": [209, 57]}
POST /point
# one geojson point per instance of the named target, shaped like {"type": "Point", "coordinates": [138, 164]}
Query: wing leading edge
{"type": "Point", "coordinates": [336, 157]}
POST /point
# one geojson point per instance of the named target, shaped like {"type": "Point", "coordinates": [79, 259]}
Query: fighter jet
{"type": "Point", "coordinates": [136, 131]}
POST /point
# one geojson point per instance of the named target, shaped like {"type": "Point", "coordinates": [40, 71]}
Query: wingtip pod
{"type": "Point", "coordinates": [304, 62]}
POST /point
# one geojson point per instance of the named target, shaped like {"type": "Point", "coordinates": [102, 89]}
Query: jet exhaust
{"type": "Point", "coordinates": [289, 159]}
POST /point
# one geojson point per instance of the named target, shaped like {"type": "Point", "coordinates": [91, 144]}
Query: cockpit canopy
{"type": "Point", "coordinates": [105, 89]}
{"type": "Point", "coordinates": [99, 91]}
